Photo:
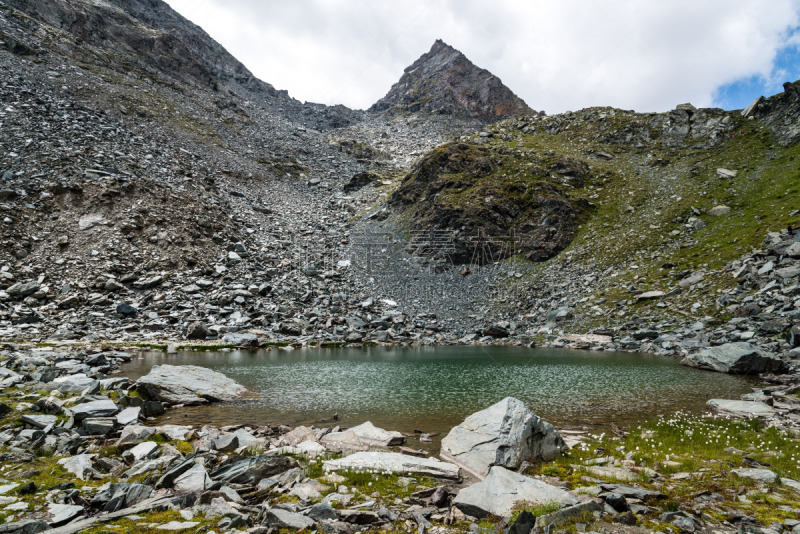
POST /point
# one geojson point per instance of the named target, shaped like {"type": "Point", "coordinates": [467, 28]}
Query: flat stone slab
{"type": "Point", "coordinates": [502, 489]}
{"type": "Point", "coordinates": [178, 525]}
{"type": "Point", "coordinates": [393, 462]}
{"type": "Point", "coordinates": [739, 408]}
{"type": "Point", "coordinates": [98, 408]}
{"type": "Point", "coordinates": [188, 384]}
{"type": "Point", "coordinates": [39, 421]}
{"type": "Point", "coordinates": [764, 476]}
{"type": "Point", "coordinates": [361, 438]}
{"type": "Point", "coordinates": [74, 383]}
{"type": "Point", "coordinates": [734, 358]}
{"type": "Point", "coordinates": [61, 514]}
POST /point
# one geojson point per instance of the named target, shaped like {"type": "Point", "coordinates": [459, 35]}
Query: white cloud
{"type": "Point", "coordinates": [570, 54]}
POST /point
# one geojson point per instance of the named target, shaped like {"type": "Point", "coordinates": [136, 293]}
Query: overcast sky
{"type": "Point", "coordinates": [557, 55]}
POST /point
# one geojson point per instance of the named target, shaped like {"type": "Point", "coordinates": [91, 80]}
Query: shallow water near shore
{"type": "Point", "coordinates": [432, 389]}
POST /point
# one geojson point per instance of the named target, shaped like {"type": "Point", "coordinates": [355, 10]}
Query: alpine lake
{"type": "Point", "coordinates": [432, 389]}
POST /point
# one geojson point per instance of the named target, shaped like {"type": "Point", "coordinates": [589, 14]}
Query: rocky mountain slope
{"type": "Point", "coordinates": [443, 81]}
{"type": "Point", "coordinates": [153, 189]}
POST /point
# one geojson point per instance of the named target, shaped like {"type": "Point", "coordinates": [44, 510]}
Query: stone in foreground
{"type": "Point", "coordinates": [739, 408]}
{"type": "Point", "coordinates": [735, 358]}
{"type": "Point", "coordinates": [394, 462]}
{"type": "Point", "coordinates": [765, 476]}
{"type": "Point", "coordinates": [505, 434]}
{"type": "Point", "coordinates": [502, 489]}
{"type": "Point", "coordinates": [188, 384]}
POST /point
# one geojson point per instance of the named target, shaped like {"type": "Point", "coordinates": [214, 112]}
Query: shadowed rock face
{"type": "Point", "coordinates": [781, 113]}
{"type": "Point", "coordinates": [458, 188]}
{"type": "Point", "coordinates": [445, 82]}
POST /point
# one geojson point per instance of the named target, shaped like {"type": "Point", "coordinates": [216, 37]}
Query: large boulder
{"type": "Point", "coordinates": [188, 384]}
{"type": "Point", "coordinates": [505, 434]}
{"type": "Point", "coordinates": [502, 489]}
{"type": "Point", "coordinates": [735, 358]}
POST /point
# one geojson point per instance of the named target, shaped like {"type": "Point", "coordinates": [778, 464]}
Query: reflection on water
{"type": "Point", "coordinates": [434, 388]}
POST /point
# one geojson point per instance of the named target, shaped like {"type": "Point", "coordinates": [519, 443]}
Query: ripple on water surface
{"type": "Point", "coordinates": [434, 388]}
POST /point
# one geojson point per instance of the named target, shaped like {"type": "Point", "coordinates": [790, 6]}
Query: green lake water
{"type": "Point", "coordinates": [431, 389]}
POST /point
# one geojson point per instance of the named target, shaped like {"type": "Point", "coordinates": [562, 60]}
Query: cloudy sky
{"type": "Point", "coordinates": [558, 55]}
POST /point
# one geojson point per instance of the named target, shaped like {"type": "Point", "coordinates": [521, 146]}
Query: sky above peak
{"type": "Point", "coordinates": [645, 55]}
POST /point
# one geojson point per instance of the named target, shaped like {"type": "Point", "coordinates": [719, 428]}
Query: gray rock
{"type": "Point", "coordinates": [168, 479]}
{"type": "Point", "coordinates": [576, 511]}
{"type": "Point", "coordinates": [765, 476]}
{"type": "Point", "coordinates": [560, 314]}
{"type": "Point", "coordinates": [322, 510]}
{"type": "Point", "coordinates": [23, 289]}
{"type": "Point", "coordinates": [113, 497]}
{"type": "Point", "coordinates": [789, 483]}
{"type": "Point", "coordinates": [346, 441]}
{"type": "Point", "coordinates": [148, 283]}
{"type": "Point", "coordinates": [393, 462]}
{"type": "Point", "coordinates": [79, 465]}
{"type": "Point", "coordinates": [634, 493]}
{"type": "Point", "coordinates": [788, 272]}
{"type": "Point", "coordinates": [505, 434]}
{"type": "Point", "coordinates": [279, 519]}
{"type": "Point", "coordinates": [193, 480]}
{"type": "Point", "coordinates": [251, 470]}
{"type": "Point", "coordinates": [98, 426]}
{"type": "Point", "coordinates": [177, 525]}
{"type": "Point", "coordinates": [734, 358]}
{"type": "Point", "coordinates": [26, 526]}
{"type": "Point", "coordinates": [502, 489]}
{"type": "Point", "coordinates": [128, 416]}
{"type": "Point", "coordinates": [188, 384]}
{"type": "Point", "coordinates": [240, 339]}
{"type": "Point", "coordinates": [649, 295]}
{"type": "Point", "coordinates": [738, 408]}
{"type": "Point", "coordinates": [717, 211]}
{"type": "Point", "coordinates": [61, 514]}
{"type": "Point", "coordinates": [39, 421]}
{"type": "Point", "coordinates": [147, 449]}
{"type": "Point", "coordinates": [196, 330]}
{"type": "Point", "coordinates": [76, 383]}
{"type": "Point", "coordinates": [362, 437]}
{"type": "Point", "coordinates": [98, 408]}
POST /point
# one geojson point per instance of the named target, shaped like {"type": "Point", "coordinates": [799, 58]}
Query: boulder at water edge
{"type": "Point", "coordinates": [735, 358]}
{"type": "Point", "coordinates": [188, 384]}
{"type": "Point", "coordinates": [505, 434]}
{"type": "Point", "coordinates": [502, 489]}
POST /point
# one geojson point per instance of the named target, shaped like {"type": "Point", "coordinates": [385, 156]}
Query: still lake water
{"type": "Point", "coordinates": [433, 388]}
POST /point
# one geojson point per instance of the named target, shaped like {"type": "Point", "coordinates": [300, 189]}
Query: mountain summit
{"type": "Point", "coordinates": [443, 81]}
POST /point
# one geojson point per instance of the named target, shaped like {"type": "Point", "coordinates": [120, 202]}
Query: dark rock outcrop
{"type": "Point", "coordinates": [443, 81]}
{"type": "Point", "coordinates": [781, 113]}
{"type": "Point", "coordinates": [458, 188]}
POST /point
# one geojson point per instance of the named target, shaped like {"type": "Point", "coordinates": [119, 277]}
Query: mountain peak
{"type": "Point", "coordinates": [443, 81]}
